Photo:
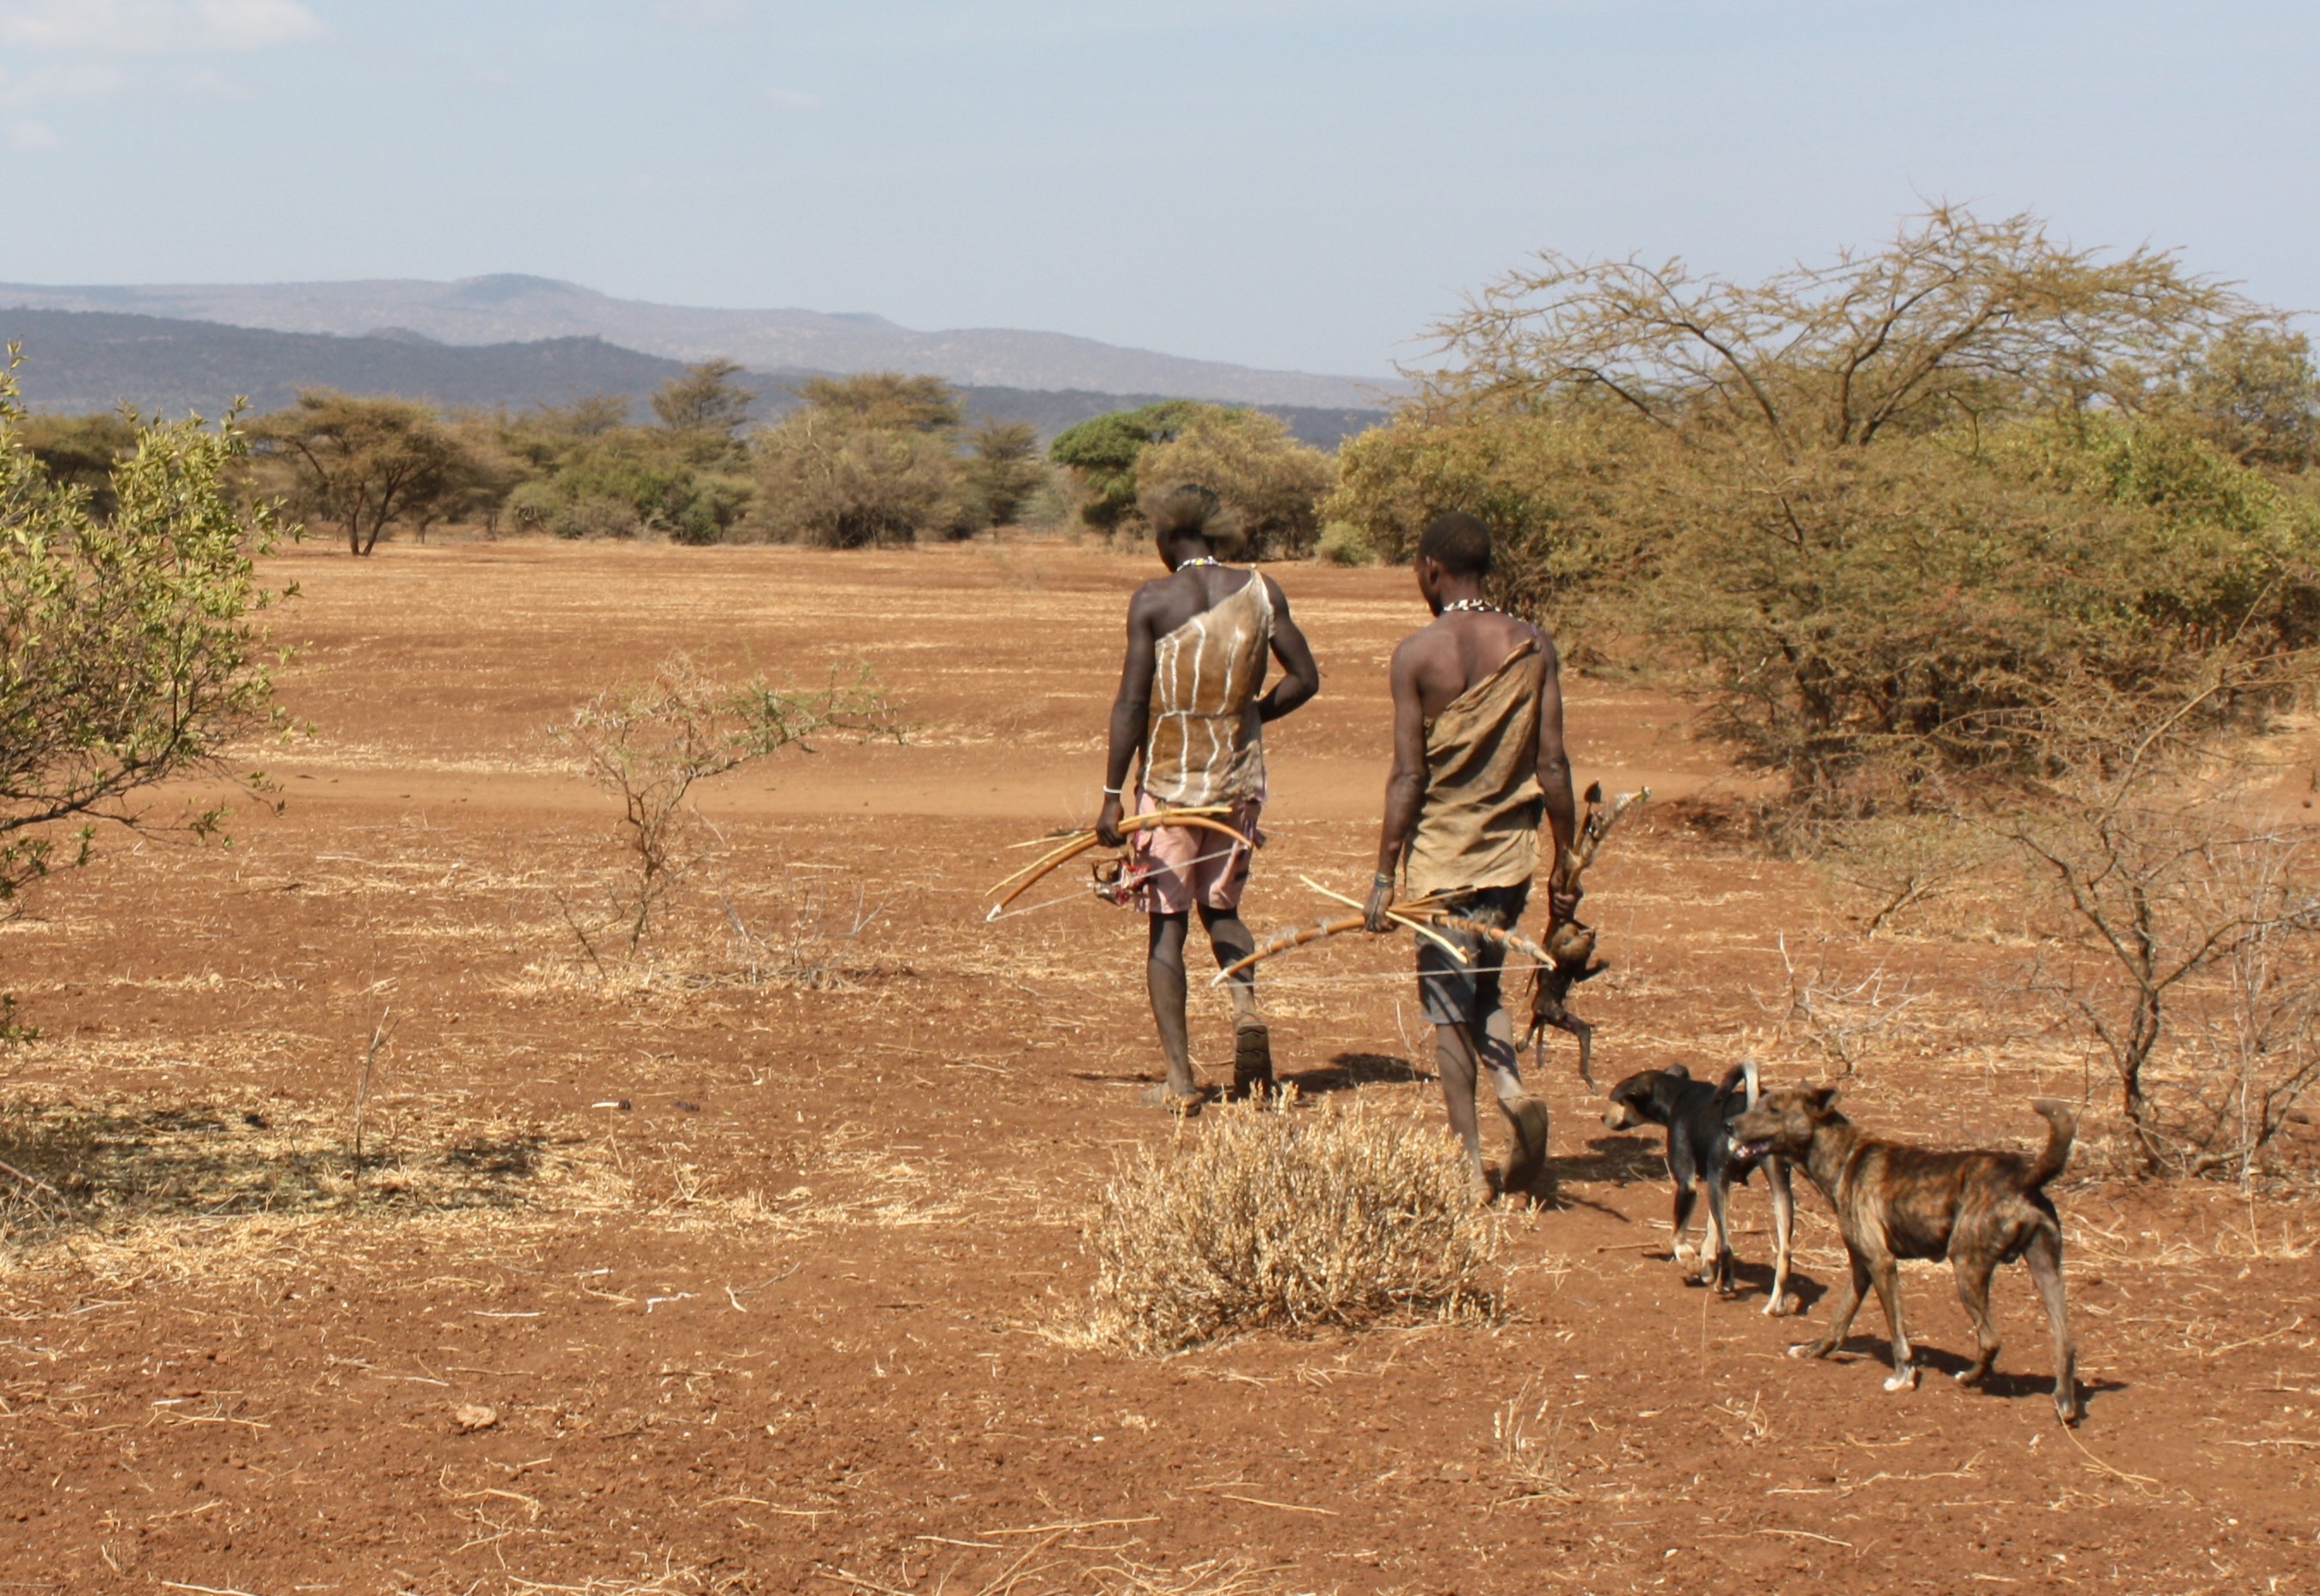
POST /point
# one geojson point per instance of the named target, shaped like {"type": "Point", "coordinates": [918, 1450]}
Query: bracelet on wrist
{"type": "Point", "coordinates": [1111, 791]}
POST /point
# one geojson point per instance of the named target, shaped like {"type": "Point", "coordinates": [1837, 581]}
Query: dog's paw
{"type": "Point", "coordinates": [1806, 1349]}
{"type": "Point", "coordinates": [1903, 1379]}
{"type": "Point", "coordinates": [1782, 1306]}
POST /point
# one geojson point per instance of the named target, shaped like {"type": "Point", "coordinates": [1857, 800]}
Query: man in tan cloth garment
{"type": "Point", "coordinates": [1199, 641]}
{"type": "Point", "coordinates": [1478, 758]}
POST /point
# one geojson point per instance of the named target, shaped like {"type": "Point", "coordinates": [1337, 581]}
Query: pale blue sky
{"type": "Point", "coordinates": [1276, 182]}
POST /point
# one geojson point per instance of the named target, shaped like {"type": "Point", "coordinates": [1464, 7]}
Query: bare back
{"type": "Point", "coordinates": [1165, 603]}
{"type": "Point", "coordinates": [1445, 660]}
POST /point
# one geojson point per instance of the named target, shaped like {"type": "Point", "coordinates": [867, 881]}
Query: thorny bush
{"type": "Point", "coordinates": [2191, 931]}
{"type": "Point", "coordinates": [1280, 1217]}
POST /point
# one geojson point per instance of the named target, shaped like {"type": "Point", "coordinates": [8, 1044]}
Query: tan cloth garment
{"type": "Point", "coordinates": [1479, 824]}
{"type": "Point", "coordinates": [1203, 742]}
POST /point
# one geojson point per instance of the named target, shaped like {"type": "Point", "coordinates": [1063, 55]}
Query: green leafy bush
{"type": "Point", "coordinates": [1342, 543]}
{"type": "Point", "coordinates": [130, 652]}
{"type": "Point", "coordinates": [1103, 450]}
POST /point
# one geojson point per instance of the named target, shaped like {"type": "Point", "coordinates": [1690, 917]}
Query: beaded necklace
{"type": "Point", "coordinates": [1472, 607]}
{"type": "Point", "coordinates": [1206, 560]}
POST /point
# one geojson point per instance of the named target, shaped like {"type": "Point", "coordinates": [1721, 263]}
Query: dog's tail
{"type": "Point", "coordinates": [2062, 1125]}
{"type": "Point", "coordinates": [1746, 1070]}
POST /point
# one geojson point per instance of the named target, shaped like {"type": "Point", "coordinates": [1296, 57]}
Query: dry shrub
{"type": "Point", "coordinates": [1266, 1217]}
{"type": "Point", "coordinates": [650, 744]}
{"type": "Point", "coordinates": [2191, 956]}
{"type": "Point", "coordinates": [1847, 1018]}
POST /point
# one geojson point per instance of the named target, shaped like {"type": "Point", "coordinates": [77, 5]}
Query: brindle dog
{"type": "Point", "coordinates": [1979, 1210]}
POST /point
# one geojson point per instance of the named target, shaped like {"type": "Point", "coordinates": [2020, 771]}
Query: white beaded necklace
{"type": "Point", "coordinates": [1472, 607]}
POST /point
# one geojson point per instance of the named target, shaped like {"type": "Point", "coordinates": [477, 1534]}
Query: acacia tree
{"type": "Point", "coordinates": [869, 460]}
{"type": "Point", "coordinates": [1003, 469]}
{"type": "Point", "coordinates": [1101, 453]}
{"type": "Point", "coordinates": [705, 401]}
{"type": "Point", "coordinates": [1270, 482]}
{"type": "Point", "coordinates": [129, 649]}
{"type": "Point", "coordinates": [2255, 395]}
{"type": "Point", "coordinates": [1955, 319]}
{"type": "Point", "coordinates": [362, 464]}
{"type": "Point", "coordinates": [887, 400]}
{"type": "Point", "coordinates": [1921, 514]}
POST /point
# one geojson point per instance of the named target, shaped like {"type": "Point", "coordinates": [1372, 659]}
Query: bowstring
{"type": "Point", "coordinates": [995, 917]}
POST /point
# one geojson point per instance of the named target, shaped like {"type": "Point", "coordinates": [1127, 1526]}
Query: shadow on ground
{"type": "Point", "coordinates": [70, 1166]}
{"type": "Point", "coordinates": [1615, 1160]}
{"type": "Point", "coordinates": [1348, 1070]}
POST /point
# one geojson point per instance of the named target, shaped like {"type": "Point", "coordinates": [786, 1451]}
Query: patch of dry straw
{"type": "Point", "coordinates": [1288, 1217]}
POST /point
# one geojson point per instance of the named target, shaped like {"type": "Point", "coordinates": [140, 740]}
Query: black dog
{"type": "Point", "coordinates": [1700, 1147]}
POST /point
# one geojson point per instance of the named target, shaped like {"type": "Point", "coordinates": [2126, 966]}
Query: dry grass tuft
{"type": "Point", "coordinates": [1228, 1576]}
{"type": "Point", "coordinates": [1272, 1218]}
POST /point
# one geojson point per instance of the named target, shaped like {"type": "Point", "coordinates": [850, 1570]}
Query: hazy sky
{"type": "Point", "coordinates": [1282, 183]}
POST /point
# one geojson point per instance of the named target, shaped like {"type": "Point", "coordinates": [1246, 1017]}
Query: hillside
{"type": "Point", "coordinates": [511, 309]}
{"type": "Point", "coordinates": [86, 361]}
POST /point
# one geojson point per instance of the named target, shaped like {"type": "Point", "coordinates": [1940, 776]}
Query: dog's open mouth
{"type": "Point", "coordinates": [1748, 1152]}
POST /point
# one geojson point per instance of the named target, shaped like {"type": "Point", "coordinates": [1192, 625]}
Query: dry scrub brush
{"type": "Point", "coordinates": [2192, 921]}
{"type": "Point", "coordinates": [648, 745]}
{"type": "Point", "coordinates": [1276, 1218]}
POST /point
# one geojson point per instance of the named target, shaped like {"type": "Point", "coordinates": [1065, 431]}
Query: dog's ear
{"type": "Point", "coordinates": [1820, 1101]}
{"type": "Point", "coordinates": [1677, 1072]}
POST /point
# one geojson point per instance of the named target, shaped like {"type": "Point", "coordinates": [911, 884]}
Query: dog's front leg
{"type": "Point", "coordinates": [1888, 1275]}
{"type": "Point", "coordinates": [1784, 1225]}
{"type": "Point", "coordinates": [1974, 1272]}
{"type": "Point", "coordinates": [1840, 1319]}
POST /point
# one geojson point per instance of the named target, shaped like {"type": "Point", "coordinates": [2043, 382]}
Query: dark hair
{"type": "Point", "coordinates": [1459, 543]}
{"type": "Point", "coordinates": [1191, 510]}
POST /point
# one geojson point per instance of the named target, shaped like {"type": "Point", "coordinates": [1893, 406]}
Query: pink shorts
{"type": "Point", "coordinates": [1186, 864]}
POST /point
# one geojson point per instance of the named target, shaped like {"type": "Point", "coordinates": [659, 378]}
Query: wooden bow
{"type": "Point", "coordinates": [1070, 844]}
{"type": "Point", "coordinates": [1418, 915]}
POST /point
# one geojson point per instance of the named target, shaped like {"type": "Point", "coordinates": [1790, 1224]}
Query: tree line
{"type": "Point", "coordinates": [873, 459]}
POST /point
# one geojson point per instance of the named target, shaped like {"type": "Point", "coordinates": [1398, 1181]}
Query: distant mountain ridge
{"type": "Point", "coordinates": [88, 361]}
{"type": "Point", "coordinates": [510, 308]}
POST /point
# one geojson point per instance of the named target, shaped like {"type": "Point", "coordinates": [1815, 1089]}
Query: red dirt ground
{"type": "Point", "coordinates": [796, 1315]}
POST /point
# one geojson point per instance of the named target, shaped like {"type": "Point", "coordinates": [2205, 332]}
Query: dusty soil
{"type": "Point", "coordinates": [755, 1265]}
